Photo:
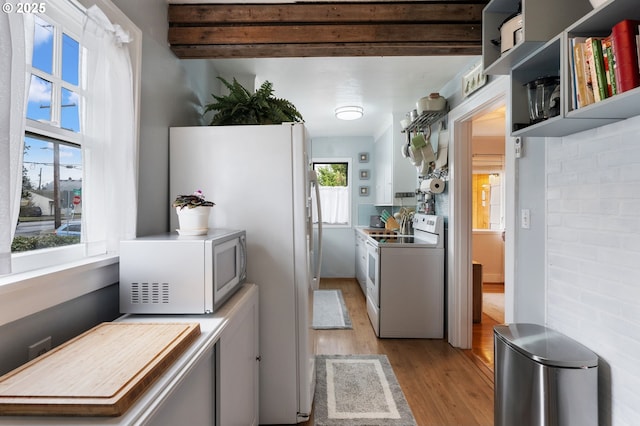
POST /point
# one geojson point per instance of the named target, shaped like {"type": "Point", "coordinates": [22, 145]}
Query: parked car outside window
{"type": "Point", "coordinates": [71, 229]}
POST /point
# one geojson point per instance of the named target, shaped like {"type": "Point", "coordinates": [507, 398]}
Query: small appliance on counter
{"type": "Point", "coordinates": [172, 274]}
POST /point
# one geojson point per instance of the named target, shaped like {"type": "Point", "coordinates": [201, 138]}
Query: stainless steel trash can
{"type": "Point", "coordinates": [543, 377]}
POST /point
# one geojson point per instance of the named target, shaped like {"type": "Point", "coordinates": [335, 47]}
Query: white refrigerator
{"type": "Point", "coordinates": [260, 179]}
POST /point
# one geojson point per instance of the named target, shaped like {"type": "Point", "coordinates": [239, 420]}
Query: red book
{"type": "Point", "coordinates": [623, 38]}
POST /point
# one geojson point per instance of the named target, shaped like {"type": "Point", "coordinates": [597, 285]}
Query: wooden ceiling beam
{"type": "Point", "coordinates": [323, 50]}
{"type": "Point", "coordinates": [326, 29]}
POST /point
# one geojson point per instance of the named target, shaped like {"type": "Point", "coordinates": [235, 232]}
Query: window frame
{"type": "Point", "coordinates": [66, 19]}
{"type": "Point", "coordinates": [350, 182]}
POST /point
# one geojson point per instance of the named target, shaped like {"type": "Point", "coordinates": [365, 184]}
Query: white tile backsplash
{"type": "Point", "coordinates": [593, 255]}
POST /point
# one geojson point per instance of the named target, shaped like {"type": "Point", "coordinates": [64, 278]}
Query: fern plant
{"type": "Point", "coordinates": [241, 107]}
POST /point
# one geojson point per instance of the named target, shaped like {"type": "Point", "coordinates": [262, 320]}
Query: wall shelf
{"type": "Point", "coordinates": [426, 119]}
{"type": "Point", "coordinates": [553, 58]}
{"type": "Point", "coordinates": [542, 20]}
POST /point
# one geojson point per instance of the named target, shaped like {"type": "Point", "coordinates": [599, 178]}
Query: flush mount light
{"type": "Point", "coordinates": [349, 112]}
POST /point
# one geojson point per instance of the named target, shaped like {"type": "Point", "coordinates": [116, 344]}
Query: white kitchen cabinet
{"type": "Point", "coordinates": [361, 260]}
{"type": "Point", "coordinates": [553, 58]}
{"type": "Point", "coordinates": [542, 20]}
{"type": "Point", "coordinates": [392, 172]}
{"type": "Point", "coordinates": [238, 370]}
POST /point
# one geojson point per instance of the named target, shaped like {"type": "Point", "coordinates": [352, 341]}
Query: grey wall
{"type": "Point", "coordinates": [167, 99]}
{"type": "Point", "coordinates": [529, 285]}
{"type": "Point", "coordinates": [338, 243]}
{"type": "Point", "coordinates": [62, 322]}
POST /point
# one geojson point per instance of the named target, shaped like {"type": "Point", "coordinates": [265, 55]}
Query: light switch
{"type": "Point", "coordinates": [525, 218]}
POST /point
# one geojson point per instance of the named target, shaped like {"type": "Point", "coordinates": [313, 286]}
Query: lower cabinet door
{"type": "Point", "coordinates": [238, 369]}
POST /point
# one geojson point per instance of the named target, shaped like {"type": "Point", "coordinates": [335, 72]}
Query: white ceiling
{"type": "Point", "coordinates": [381, 85]}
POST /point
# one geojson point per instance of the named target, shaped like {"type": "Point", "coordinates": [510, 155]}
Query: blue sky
{"type": "Point", "coordinates": [39, 158]}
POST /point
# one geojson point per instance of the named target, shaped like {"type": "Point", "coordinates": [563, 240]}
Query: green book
{"type": "Point", "coordinates": [601, 73]}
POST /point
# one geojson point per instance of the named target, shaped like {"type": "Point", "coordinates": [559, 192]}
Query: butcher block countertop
{"type": "Point", "coordinates": [101, 372]}
{"type": "Point", "coordinates": [116, 373]}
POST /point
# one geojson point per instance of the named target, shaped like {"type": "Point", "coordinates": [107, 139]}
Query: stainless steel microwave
{"type": "Point", "coordinates": [173, 274]}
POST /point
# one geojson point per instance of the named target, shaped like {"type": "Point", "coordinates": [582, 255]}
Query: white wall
{"type": "Point", "coordinates": [488, 249]}
{"type": "Point", "coordinates": [593, 256]}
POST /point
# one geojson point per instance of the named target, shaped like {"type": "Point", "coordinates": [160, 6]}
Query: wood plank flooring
{"type": "Point", "coordinates": [443, 385]}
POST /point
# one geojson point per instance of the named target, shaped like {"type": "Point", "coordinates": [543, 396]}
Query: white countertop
{"type": "Point", "coordinates": [211, 327]}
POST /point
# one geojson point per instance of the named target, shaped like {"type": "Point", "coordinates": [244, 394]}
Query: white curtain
{"type": "Point", "coordinates": [16, 34]}
{"type": "Point", "coordinates": [109, 148]}
{"type": "Point", "coordinates": [335, 204]}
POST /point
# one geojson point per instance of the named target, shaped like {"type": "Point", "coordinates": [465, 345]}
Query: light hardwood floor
{"type": "Point", "coordinates": [443, 385]}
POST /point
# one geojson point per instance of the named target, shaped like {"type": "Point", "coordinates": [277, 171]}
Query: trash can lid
{"type": "Point", "coordinates": [546, 346]}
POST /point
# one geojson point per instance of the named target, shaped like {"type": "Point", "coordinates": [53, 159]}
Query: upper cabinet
{"type": "Point", "coordinates": [518, 27]}
{"type": "Point", "coordinates": [395, 178]}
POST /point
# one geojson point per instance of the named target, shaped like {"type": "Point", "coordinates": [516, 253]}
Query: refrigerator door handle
{"type": "Point", "coordinates": [313, 178]}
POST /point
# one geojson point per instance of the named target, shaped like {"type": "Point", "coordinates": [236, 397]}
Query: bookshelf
{"type": "Point", "coordinates": [553, 58]}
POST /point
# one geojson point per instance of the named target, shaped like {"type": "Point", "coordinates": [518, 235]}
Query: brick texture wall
{"type": "Point", "coordinates": [593, 256]}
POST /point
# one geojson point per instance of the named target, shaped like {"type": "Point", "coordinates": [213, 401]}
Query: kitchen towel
{"type": "Point", "coordinates": [443, 149]}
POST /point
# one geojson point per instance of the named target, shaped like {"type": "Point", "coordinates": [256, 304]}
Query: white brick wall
{"type": "Point", "coordinates": [593, 256]}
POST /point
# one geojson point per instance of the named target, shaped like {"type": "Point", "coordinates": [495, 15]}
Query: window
{"type": "Point", "coordinates": [335, 190]}
{"type": "Point", "coordinates": [75, 166]}
{"type": "Point", "coordinates": [488, 194]}
{"type": "Point", "coordinates": [51, 193]}
{"type": "Point", "coordinates": [52, 159]}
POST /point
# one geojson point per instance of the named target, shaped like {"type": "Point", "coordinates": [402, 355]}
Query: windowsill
{"type": "Point", "coordinates": [26, 293]}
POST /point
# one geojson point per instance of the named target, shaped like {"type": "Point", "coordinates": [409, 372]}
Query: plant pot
{"type": "Point", "coordinates": [193, 221]}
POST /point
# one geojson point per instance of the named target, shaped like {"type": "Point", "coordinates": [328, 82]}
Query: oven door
{"type": "Point", "coordinates": [373, 286]}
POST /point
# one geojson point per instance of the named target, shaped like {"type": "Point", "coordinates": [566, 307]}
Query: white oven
{"type": "Point", "coordinates": [373, 286]}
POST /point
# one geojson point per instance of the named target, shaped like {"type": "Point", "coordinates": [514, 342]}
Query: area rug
{"type": "Point", "coordinates": [358, 390]}
{"type": "Point", "coordinates": [329, 310]}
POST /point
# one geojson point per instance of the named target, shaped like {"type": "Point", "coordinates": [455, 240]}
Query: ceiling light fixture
{"type": "Point", "coordinates": [349, 112]}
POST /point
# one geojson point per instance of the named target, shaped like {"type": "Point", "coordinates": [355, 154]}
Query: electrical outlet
{"type": "Point", "coordinates": [405, 194]}
{"type": "Point", "coordinates": [38, 348]}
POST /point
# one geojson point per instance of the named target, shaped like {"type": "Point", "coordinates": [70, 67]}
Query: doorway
{"type": "Point", "coordinates": [487, 223]}
{"type": "Point", "coordinates": [459, 253]}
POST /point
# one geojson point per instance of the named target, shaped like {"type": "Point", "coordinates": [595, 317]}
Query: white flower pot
{"type": "Point", "coordinates": [193, 221]}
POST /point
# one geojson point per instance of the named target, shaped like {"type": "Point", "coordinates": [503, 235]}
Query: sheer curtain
{"type": "Point", "coordinates": [335, 204]}
{"type": "Point", "coordinates": [109, 147]}
{"type": "Point", "coordinates": [16, 33]}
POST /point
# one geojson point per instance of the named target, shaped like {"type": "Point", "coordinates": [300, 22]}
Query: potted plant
{"type": "Point", "coordinates": [240, 107]}
{"type": "Point", "coordinates": [193, 213]}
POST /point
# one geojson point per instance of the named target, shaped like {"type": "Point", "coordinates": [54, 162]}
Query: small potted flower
{"type": "Point", "coordinates": [193, 213]}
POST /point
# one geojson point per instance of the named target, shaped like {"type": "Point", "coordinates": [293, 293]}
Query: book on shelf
{"type": "Point", "coordinates": [625, 50]}
{"type": "Point", "coordinates": [581, 73]}
{"type": "Point", "coordinates": [609, 66]}
{"type": "Point", "coordinates": [593, 52]}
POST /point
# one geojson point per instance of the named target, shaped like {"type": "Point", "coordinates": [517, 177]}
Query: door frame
{"type": "Point", "coordinates": [459, 271]}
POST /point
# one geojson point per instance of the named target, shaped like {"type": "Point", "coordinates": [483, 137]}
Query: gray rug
{"type": "Point", "coordinates": [329, 310]}
{"type": "Point", "coordinates": [358, 390]}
